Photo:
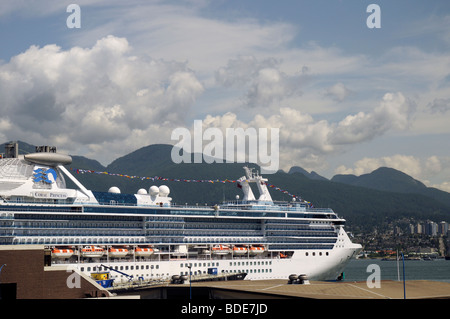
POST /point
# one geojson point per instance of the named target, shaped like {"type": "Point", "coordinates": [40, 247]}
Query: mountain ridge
{"type": "Point", "coordinates": [365, 201]}
{"type": "Point", "coordinates": [392, 180]}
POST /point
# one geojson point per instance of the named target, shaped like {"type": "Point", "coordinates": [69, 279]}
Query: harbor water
{"type": "Point", "coordinates": [435, 270]}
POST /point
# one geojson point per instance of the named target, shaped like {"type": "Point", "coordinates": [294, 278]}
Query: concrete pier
{"type": "Point", "coordinates": [415, 289]}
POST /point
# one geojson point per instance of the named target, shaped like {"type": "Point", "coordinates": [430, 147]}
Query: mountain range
{"type": "Point", "coordinates": [365, 201]}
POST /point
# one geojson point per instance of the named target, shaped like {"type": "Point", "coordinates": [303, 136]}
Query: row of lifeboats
{"type": "Point", "coordinates": [238, 249]}
{"type": "Point", "coordinates": [120, 252]}
{"type": "Point", "coordinates": [97, 252]}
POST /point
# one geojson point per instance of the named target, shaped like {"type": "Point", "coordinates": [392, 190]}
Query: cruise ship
{"type": "Point", "coordinates": [146, 236]}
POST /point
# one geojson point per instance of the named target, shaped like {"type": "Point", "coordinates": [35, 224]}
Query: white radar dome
{"type": "Point", "coordinates": [114, 190]}
{"type": "Point", "coordinates": [142, 191]}
{"type": "Point", "coordinates": [154, 190]}
{"type": "Point", "coordinates": [164, 191]}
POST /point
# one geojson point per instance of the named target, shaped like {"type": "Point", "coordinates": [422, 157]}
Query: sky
{"type": "Point", "coordinates": [346, 98]}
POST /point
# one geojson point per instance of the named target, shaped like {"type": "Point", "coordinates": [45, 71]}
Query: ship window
{"type": "Point", "coordinates": [307, 254]}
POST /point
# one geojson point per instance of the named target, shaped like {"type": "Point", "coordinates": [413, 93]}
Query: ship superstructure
{"type": "Point", "coordinates": [145, 235]}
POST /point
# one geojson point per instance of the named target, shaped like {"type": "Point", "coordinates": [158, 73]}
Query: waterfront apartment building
{"type": "Point", "coordinates": [429, 228]}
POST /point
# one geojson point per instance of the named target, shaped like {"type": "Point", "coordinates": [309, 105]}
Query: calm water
{"type": "Point", "coordinates": [437, 270]}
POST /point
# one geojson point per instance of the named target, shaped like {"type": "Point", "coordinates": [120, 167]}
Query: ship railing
{"type": "Point", "coordinates": [37, 208]}
{"type": "Point", "coordinates": [229, 205]}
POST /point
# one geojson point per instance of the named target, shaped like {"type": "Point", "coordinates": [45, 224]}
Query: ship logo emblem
{"type": "Point", "coordinates": [42, 175]}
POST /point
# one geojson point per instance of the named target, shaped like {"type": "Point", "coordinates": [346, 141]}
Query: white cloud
{"type": "Point", "coordinates": [183, 31]}
{"type": "Point", "coordinates": [101, 91]}
{"type": "Point", "coordinates": [338, 92]}
{"type": "Point", "coordinates": [433, 165]}
{"type": "Point", "coordinates": [307, 142]}
{"type": "Point", "coordinates": [394, 112]}
{"type": "Point", "coordinates": [93, 96]}
{"type": "Point", "coordinates": [263, 81]}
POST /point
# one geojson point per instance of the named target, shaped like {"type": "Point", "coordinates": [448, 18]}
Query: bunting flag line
{"type": "Point", "coordinates": [159, 178]}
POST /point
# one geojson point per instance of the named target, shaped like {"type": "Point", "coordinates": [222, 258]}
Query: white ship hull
{"type": "Point", "coordinates": [264, 239]}
{"type": "Point", "coordinates": [318, 267]}
{"type": "Point", "coordinates": [315, 264]}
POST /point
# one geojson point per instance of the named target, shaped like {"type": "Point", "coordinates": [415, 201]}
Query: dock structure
{"type": "Point", "coordinates": [280, 289]}
{"type": "Point", "coordinates": [25, 274]}
{"type": "Point", "coordinates": [415, 289]}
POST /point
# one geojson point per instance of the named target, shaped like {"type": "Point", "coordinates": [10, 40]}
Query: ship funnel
{"type": "Point", "coordinates": [12, 150]}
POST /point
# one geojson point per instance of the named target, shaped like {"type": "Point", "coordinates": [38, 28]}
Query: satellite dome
{"type": "Point", "coordinates": [164, 191]}
{"type": "Point", "coordinates": [114, 190]}
{"type": "Point", "coordinates": [142, 191]}
{"type": "Point", "coordinates": [154, 190]}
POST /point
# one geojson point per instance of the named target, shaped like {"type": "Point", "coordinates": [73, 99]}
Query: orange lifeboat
{"type": "Point", "coordinates": [221, 249]}
{"type": "Point", "coordinates": [256, 249]}
{"type": "Point", "coordinates": [143, 251]}
{"type": "Point", "coordinates": [239, 250]}
{"type": "Point", "coordinates": [117, 252]}
{"type": "Point", "coordinates": [62, 252]}
{"type": "Point", "coordinates": [92, 251]}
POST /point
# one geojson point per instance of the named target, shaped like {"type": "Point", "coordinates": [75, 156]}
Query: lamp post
{"type": "Point", "coordinates": [2, 268]}
{"type": "Point", "coordinates": [0, 274]}
{"type": "Point", "coordinates": [404, 285]}
{"type": "Point", "coordinates": [190, 282]}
